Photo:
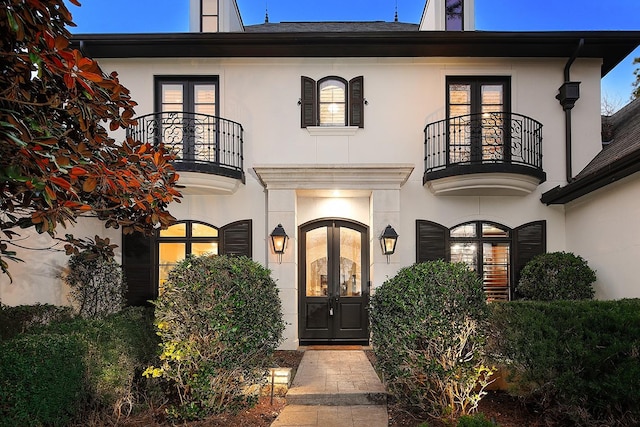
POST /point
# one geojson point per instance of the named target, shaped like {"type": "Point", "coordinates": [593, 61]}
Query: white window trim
{"type": "Point", "coordinates": [332, 130]}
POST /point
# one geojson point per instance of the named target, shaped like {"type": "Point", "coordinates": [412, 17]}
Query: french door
{"type": "Point", "coordinates": [334, 282]}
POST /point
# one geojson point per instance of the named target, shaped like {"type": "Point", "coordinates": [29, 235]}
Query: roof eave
{"type": "Point", "coordinates": [610, 46]}
{"type": "Point", "coordinates": [606, 175]}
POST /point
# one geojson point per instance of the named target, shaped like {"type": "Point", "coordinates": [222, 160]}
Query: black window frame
{"type": "Point", "coordinates": [433, 242]}
{"type": "Point", "coordinates": [451, 14]}
{"type": "Point", "coordinates": [188, 82]}
{"type": "Point", "coordinates": [310, 101]}
{"type": "Point", "coordinates": [140, 255]}
{"type": "Point", "coordinates": [476, 142]}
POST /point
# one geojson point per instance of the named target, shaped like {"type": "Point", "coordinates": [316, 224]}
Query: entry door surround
{"type": "Point", "coordinates": [333, 281]}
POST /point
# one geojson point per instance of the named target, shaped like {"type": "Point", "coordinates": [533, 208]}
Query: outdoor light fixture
{"type": "Point", "coordinates": [279, 241]}
{"type": "Point", "coordinates": [388, 241]}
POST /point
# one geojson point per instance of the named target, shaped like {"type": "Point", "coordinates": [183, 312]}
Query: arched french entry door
{"type": "Point", "coordinates": [334, 282]}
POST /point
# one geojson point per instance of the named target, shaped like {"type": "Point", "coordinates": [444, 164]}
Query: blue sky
{"type": "Point", "coordinates": [141, 16]}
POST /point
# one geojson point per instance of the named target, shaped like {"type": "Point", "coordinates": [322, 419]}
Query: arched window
{"type": "Point", "coordinates": [496, 252]}
{"type": "Point", "coordinates": [182, 239]}
{"type": "Point", "coordinates": [148, 260]}
{"type": "Point", "coordinates": [332, 101]}
{"type": "Point", "coordinates": [486, 248]}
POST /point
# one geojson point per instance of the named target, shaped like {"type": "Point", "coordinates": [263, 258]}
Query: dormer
{"type": "Point", "coordinates": [448, 15]}
{"type": "Point", "coordinates": [214, 16]}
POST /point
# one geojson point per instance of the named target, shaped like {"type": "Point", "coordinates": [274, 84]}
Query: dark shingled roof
{"type": "Point", "coordinates": [329, 27]}
{"type": "Point", "coordinates": [618, 159]}
{"type": "Point", "coordinates": [626, 138]}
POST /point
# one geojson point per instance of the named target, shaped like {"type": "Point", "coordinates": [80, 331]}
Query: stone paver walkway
{"type": "Point", "coordinates": [335, 388]}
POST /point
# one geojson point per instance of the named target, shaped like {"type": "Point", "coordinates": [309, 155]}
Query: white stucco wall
{"type": "Point", "coordinates": [36, 280]}
{"type": "Point", "coordinates": [603, 228]}
{"type": "Point", "coordinates": [403, 95]}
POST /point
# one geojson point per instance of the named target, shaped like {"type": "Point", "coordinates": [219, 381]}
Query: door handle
{"type": "Point", "coordinates": [330, 303]}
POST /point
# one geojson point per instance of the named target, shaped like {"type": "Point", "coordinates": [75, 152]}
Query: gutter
{"type": "Point", "coordinates": [568, 94]}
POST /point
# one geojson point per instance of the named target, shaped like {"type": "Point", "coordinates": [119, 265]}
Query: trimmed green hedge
{"type": "Point", "coordinates": [21, 318]}
{"type": "Point", "coordinates": [578, 360]}
{"type": "Point", "coordinates": [41, 380]}
{"type": "Point", "coordinates": [53, 374]}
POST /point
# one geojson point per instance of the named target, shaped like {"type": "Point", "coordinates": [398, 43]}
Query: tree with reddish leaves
{"type": "Point", "coordinates": [57, 160]}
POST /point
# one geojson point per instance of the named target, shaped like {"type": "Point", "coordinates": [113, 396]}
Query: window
{"type": "Point", "coordinates": [454, 15]}
{"type": "Point", "coordinates": [148, 260]}
{"type": "Point", "coordinates": [476, 109]}
{"type": "Point", "coordinates": [182, 239]}
{"type": "Point", "coordinates": [332, 101]}
{"type": "Point", "coordinates": [209, 16]}
{"type": "Point", "coordinates": [188, 122]}
{"type": "Point", "coordinates": [494, 251]}
{"type": "Point", "coordinates": [485, 248]}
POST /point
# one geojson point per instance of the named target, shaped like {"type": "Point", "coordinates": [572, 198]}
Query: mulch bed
{"type": "Point", "coordinates": [498, 406]}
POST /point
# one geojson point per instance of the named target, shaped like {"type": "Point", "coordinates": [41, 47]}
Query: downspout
{"type": "Point", "coordinates": [568, 94]}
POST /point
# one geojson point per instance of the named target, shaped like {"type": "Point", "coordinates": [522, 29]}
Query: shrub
{"type": "Point", "coordinates": [41, 380]}
{"type": "Point", "coordinates": [556, 276]}
{"type": "Point", "coordinates": [220, 320]}
{"type": "Point", "coordinates": [97, 285]}
{"type": "Point", "coordinates": [427, 328]}
{"type": "Point", "coordinates": [21, 318]}
{"type": "Point", "coordinates": [475, 420]}
{"type": "Point", "coordinates": [578, 360]}
{"type": "Point", "coordinates": [117, 348]}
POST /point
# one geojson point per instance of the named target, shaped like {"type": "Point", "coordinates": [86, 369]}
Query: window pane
{"type": "Point", "coordinates": [168, 255]}
{"type": "Point", "coordinates": [204, 94]}
{"type": "Point", "coordinates": [332, 103]}
{"type": "Point", "coordinates": [492, 94]}
{"type": "Point", "coordinates": [490, 230]}
{"type": "Point", "coordinates": [172, 94]}
{"type": "Point", "coordinates": [453, 15]}
{"type": "Point", "coordinates": [316, 247]}
{"type": "Point", "coordinates": [204, 248]}
{"type": "Point", "coordinates": [459, 94]}
{"type": "Point", "coordinates": [466, 253]}
{"type": "Point", "coordinates": [176, 230]}
{"type": "Point", "coordinates": [350, 262]}
{"type": "Point", "coordinates": [202, 230]}
{"type": "Point", "coordinates": [495, 274]}
{"type": "Point", "coordinates": [465, 230]}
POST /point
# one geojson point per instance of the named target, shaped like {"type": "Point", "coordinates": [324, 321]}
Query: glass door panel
{"type": "Point", "coordinates": [350, 263]}
{"type": "Point", "coordinates": [316, 263]}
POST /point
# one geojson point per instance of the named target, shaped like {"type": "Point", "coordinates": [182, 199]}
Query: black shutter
{"type": "Point", "coordinates": [356, 101]}
{"type": "Point", "coordinates": [432, 241]}
{"type": "Point", "coordinates": [308, 114]}
{"type": "Point", "coordinates": [236, 238]}
{"type": "Point", "coordinates": [529, 240]}
{"type": "Point", "coordinates": [138, 268]}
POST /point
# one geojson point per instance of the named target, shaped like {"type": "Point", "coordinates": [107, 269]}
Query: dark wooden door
{"type": "Point", "coordinates": [334, 282]}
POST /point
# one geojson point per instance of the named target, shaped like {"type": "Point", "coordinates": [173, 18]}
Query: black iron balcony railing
{"type": "Point", "coordinates": [481, 143]}
{"type": "Point", "coordinates": [202, 143]}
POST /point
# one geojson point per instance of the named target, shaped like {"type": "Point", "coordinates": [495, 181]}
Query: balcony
{"type": "Point", "coordinates": [492, 154]}
{"type": "Point", "coordinates": [208, 149]}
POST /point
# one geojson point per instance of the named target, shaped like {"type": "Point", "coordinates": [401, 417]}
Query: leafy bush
{"type": "Point", "coordinates": [475, 420]}
{"type": "Point", "coordinates": [578, 360]}
{"type": "Point", "coordinates": [41, 380]}
{"type": "Point", "coordinates": [556, 276]}
{"type": "Point", "coordinates": [117, 348]}
{"type": "Point", "coordinates": [220, 320]}
{"type": "Point", "coordinates": [427, 328]}
{"type": "Point", "coordinates": [21, 318]}
{"type": "Point", "coordinates": [97, 285]}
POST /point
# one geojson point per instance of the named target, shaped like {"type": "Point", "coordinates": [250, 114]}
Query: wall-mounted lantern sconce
{"type": "Point", "coordinates": [388, 241]}
{"type": "Point", "coordinates": [279, 241]}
